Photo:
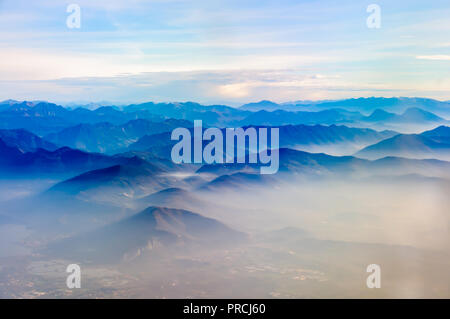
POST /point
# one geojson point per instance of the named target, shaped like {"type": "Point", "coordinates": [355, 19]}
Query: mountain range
{"type": "Point", "coordinates": [365, 105]}
{"type": "Point", "coordinates": [25, 141]}
{"type": "Point", "coordinates": [294, 163]}
{"type": "Point", "coordinates": [43, 118]}
{"type": "Point", "coordinates": [430, 144]}
{"type": "Point", "coordinates": [62, 161]}
{"type": "Point", "coordinates": [293, 136]}
{"type": "Point", "coordinates": [108, 138]}
{"type": "Point", "coordinates": [411, 115]}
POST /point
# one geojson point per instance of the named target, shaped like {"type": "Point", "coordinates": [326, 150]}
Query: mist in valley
{"type": "Point", "coordinates": [303, 238]}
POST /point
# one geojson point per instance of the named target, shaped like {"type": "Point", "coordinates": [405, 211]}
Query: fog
{"type": "Point", "coordinates": [372, 211]}
{"type": "Point", "coordinates": [305, 238]}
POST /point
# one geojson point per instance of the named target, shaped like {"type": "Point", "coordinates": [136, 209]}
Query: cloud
{"type": "Point", "coordinates": [232, 87]}
{"type": "Point", "coordinates": [438, 57]}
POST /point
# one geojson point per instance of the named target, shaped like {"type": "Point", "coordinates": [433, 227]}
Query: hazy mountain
{"type": "Point", "coordinates": [292, 135]}
{"type": "Point", "coordinates": [363, 105]}
{"type": "Point", "coordinates": [44, 118]}
{"type": "Point", "coordinates": [282, 117]}
{"type": "Point", "coordinates": [292, 161]}
{"type": "Point", "coordinates": [380, 115]}
{"type": "Point", "coordinates": [110, 138]}
{"type": "Point", "coordinates": [317, 138]}
{"type": "Point", "coordinates": [212, 115]}
{"type": "Point", "coordinates": [430, 144]}
{"type": "Point", "coordinates": [25, 141]}
{"type": "Point", "coordinates": [40, 118]}
{"type": "Point", "coordinates": [133, 177]}
{"type": "Point", "coordinates": [154, 229]}
{"type": "Point", "coordinates": [341, 116]}
{"type": "Point", "coordinates": [173, 197]}
{"type": "Point", "coordinates": [440, 134]}
{"type": "Point", "coordinates": [165, 196]}
{"type": "Point", "coordinates": [240, 180]}
{"type": "Point", "coordinates": [411, 115]}
{"type": "Point", "coordinates": [394, 104]}
{"type": "Point", "coordinates": [298, 163]}
{"type": "Point", "coordinates": [262, 105]}
{"type": "Point", "coordinates": [417, 115]}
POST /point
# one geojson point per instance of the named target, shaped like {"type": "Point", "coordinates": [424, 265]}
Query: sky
{"type": "Point", "coordinates": [227, 52]}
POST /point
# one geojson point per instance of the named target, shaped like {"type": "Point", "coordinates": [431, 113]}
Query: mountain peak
{"type": "Point", "coordinates": [416, 114]}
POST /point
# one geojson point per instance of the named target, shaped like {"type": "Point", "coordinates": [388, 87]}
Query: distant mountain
{"type": "Point", "coordinates": [292, 135]}
{"type": "Point", "coordinates": [260, 106]}
{"type": "Point", "coordinates": [417, 115]}
{"type": "Point", "coordinates": [380, 115]}
{"type": "Point", "coordinates": [212, 115]}
{"type": "Point", "coordinates": [430, 144]}
{"type": "Point", "coordinates": [340, 116]}
{"type": "Point", "coordinates": [25, 141]}
{"type": "Point", "coordinates": [282, 117]}
{"type": "Point", "coordinates": [363, 105]}
{"type": "Point", "coordinates": [155, 229]}
{"type": "Point", "coordinates": [394, 104]}
{"type": "Point", "coordinates": [110, 138]}
{"type": "Point", "coordinates": [39, 118]}
{"type": "Point", "coordinates": [44, 118]}
{"type": "Point", "coordinates": [412, 120]}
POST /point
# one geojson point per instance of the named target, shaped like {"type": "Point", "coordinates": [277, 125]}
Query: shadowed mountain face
{"type": "Point", "coordinates": [152, 230]}
{"type": "Point", "coordinates": [430, 144]}
{"type": "Point", "coordinates": [440, 134]}
{"type": "Point", "coordinates": [25, 141]}
{"type": "Point", "coordinates": [63, 161]}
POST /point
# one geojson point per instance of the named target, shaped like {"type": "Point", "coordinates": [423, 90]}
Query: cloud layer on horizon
{"type": "Point", "coordinates": [222, 52]}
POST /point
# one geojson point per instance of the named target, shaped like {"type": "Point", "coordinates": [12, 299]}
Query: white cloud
{"type": "Point", "coordinates": [438, 57]}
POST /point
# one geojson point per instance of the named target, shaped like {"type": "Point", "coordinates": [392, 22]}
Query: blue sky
{"type": "Point", "coordinates": [223, 51]}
